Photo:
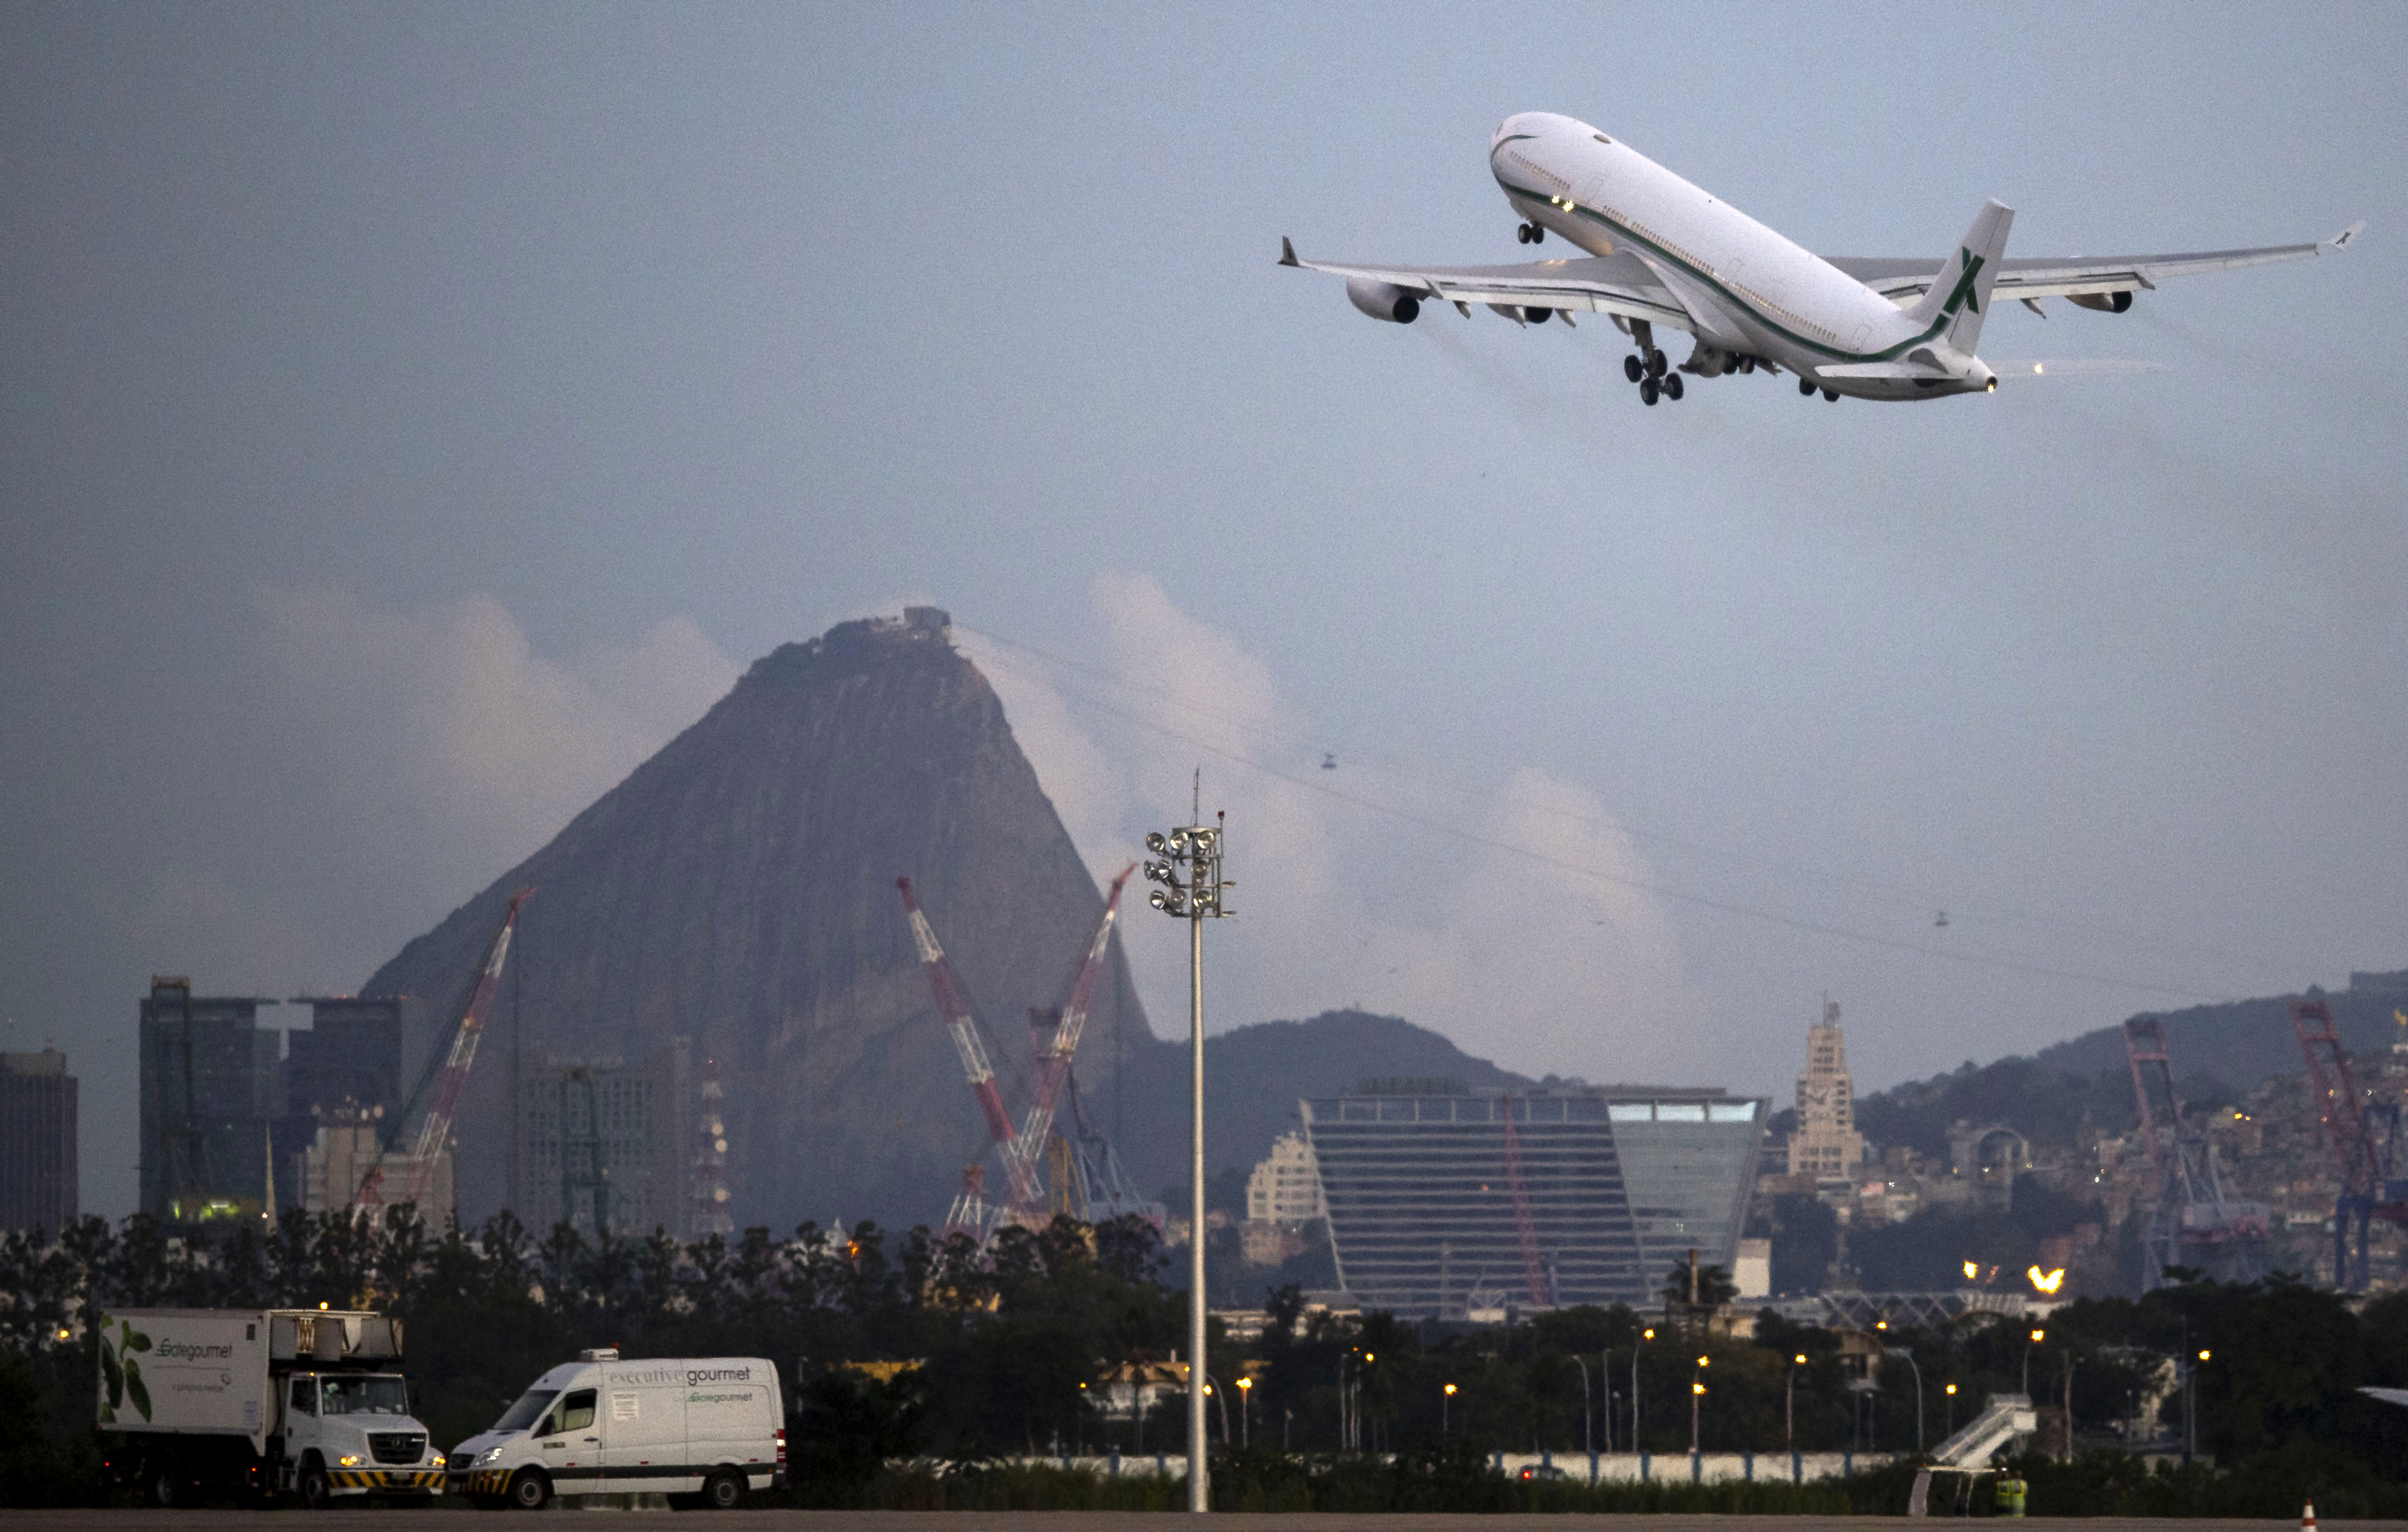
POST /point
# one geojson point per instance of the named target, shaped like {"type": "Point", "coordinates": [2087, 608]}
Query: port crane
{"type": "Point", "coordinates": [2195, 1223]}
{"type": "Point", "coordinates": [2371, 1186]}
{"type": "Point", "coordinates": [415, 1171]}
{"type": "Point", "coordinates": [1088, 1171]}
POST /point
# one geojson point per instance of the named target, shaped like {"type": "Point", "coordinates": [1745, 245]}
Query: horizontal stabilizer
{"type": "Point", "coordinates": [2086, 366]}
{"type": "Point", "coordinates": [1881, 369]}
{"type": "Point", "coordinates": [2348, 237]}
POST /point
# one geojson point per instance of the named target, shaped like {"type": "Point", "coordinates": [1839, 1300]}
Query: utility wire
{"type": "Point", "coordinates": [1995, 961]}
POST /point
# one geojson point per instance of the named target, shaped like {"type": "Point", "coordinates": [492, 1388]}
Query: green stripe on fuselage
{"type": "Point", "coordinates": [1834, 352]}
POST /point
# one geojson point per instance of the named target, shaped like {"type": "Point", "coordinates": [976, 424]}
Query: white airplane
{"type": "Point", "coordinates": [1663, 253]}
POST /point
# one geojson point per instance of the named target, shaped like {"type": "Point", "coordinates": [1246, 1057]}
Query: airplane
{"type": "Point", "coordinates": [1662, 254]}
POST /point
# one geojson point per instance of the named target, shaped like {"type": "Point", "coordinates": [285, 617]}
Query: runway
{"type": "Point", "coordinates": [427, 1520]}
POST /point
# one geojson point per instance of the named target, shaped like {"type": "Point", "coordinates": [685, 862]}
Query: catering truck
{"type": "Point", "coordinates": [265, 1402]}
{"type": "Point", "coordinates": [704, 1431]}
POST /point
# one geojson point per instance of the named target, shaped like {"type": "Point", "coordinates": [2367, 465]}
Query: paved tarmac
{"type": "Point", "coordinates": [431, 1518]}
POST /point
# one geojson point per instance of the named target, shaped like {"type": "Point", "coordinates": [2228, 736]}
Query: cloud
{"type": "Point", "coordinates": [1346, 892]}
{"type": "Point", "coordinates": [492, 745]}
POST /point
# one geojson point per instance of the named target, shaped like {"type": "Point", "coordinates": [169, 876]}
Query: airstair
{"type": "Point", "coordinates": [1968, 1452]}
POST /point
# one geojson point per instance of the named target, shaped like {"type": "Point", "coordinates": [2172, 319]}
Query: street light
{"type": "Point", "coordinates": [1790, 1405]}
{"type": "Point", "coordinates": [1696, 1396]}
{"type": "Point", "coordinates": [1906, 1354]}
{"type": "Point", "coordinates": [1194, 849]}
{"type": "Point", "coordinates": [1951, 1407]}
{"type": "Point", "coordinates": [2190, 1410]}
{"type": "Point", "coordinates": [1643, 1335]}
{"type": "Point", "coordinates": [2036, 1337]}
{"type": "Point", "coordinates": [1245, 1411]}
{"type": "Point", "coordinates": [1588, 1434]}
{"type": "Point", "coordinates": [1445, 1401]}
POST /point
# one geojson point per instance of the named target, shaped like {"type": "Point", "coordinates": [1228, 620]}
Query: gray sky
{"type": "Point", "coordinates": [411, 416]}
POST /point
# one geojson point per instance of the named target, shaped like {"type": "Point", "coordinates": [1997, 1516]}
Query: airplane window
{"type": "Point", "coordinates": [577, 1411]}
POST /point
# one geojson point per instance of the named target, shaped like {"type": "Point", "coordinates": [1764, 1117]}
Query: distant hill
{"type": "Point", "coordinates": [2220, 1051]}
{"type": "Point", "coordinates": [1253, 1076]}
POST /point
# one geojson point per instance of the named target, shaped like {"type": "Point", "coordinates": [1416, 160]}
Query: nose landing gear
{"type": "Point", "coordinates": [1531, 234]}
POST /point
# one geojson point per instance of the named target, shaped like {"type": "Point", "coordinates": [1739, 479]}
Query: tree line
{"type": "Point", "coordinates": [1004, 1352]}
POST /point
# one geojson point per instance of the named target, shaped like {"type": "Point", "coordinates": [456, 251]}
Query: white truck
{"type": "Point", "coordinates": [263, 1402]}
{"type": "Point", "coordinates": [704, 1431]}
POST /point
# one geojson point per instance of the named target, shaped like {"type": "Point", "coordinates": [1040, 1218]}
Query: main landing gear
{"type": "Point", "coordinates": [1654, 376]}
{"type": "Point", "coordinates": [1531, 234]}
{"type": "Point", "coordinates": [1806, 388]}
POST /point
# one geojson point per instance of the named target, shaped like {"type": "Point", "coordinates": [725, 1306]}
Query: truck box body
{"type": "Point", "coordinates": [262, 1400]}
{"type": "Point", "coordinates": [603, 1425]}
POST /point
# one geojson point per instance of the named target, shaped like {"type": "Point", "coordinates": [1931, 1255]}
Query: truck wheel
{"type": "Point", "coordinates": [530, 1490]}
{"type": "Point", "coordinates": [317, 1490]}
{"type": "Point", "coordinates": [723, 1491]}
{"type": "Point", "coordinates": [162, 1486]}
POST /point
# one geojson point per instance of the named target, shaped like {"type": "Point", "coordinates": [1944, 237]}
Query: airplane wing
{"type": "Point", "coordinates": [2058, 277]}
{"type": "Point", "coordinates": [1601, 284]}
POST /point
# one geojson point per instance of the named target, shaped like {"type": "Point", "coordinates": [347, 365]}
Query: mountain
{"type": "Point", "coordinates": [738, 890]}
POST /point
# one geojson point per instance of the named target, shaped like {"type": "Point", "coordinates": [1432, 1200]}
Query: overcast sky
{"type": "Point", "coordinates": [412, 416]}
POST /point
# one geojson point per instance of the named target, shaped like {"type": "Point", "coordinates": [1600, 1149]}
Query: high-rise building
{"type": "Point", "coordinates": [1282, 1195]}
{"type": "Point", "coordinates": [207, 1096]}
{"type": "Point", "coordinates": [604, 1144]}
{"type": "Point", "coordinates": [1443, 1202]}
{"type": "Point", "coordinates": [1826, 1144]}
{"type": "Point", "coordinates": [38, 1142]}
{"type": "Point", "coordinates": [348, 1082]}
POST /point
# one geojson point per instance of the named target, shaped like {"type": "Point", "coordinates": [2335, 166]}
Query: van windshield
{"type": "Point", "coordinates": [365, 1396]}
{"type": "Point", "coordinates": [530, 1408]}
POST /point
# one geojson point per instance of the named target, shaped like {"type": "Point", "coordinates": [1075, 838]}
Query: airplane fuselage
{"type": "Point", "coordinates": [1751, 291]}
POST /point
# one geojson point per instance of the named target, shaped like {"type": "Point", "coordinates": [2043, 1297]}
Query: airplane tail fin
{"type": "Point", "coordinates": [1962, 290]}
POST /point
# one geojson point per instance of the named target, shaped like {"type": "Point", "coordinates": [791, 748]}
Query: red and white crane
{"type": "Point", "coordinates": [956, 1011]}
{"type": "Point", "coordinates": [416, 1169]}
{"type": "Point", "coordinates": [1054, 1055]}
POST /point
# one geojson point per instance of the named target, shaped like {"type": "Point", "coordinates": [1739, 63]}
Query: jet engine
{"type": "Point", "coordinates": [2106, 303]}
{"type": "Point", "coordinates": [1382, 300]}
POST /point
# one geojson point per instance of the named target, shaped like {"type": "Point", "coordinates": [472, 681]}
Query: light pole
{"type": "Point", "coordinates": [1605, 1394]}
{"type": "Point", "coordinates": [1790, 1405]}
{"type": "Point", "coordinates": [2190, 1409]}
{"type": "Point", "coordinates": [1445, 1404]}
{"type": "Point", "coordinates": [1588, 1432]}
{"type": "Point", "coordinates": [1194, 849]}
{"type": "Point", "coordinates": [1696, 1397]}
{"type": "Point", "coordinates": [1643, 1335]}
{"type": "Point", "coordinates": [2036, 1337]}
{"type": "Point", "coordinates": [1949, 1425]}
{"type": "Point", "coordinates": [1245, 1411]}
{"type": "Point", "coordinates": [1906, 1354]}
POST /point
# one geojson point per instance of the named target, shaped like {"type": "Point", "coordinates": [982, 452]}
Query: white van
{"type": "Point", "coordinates": [704, 1431]}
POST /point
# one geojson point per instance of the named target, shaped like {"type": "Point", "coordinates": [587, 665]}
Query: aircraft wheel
{"type": "Point", "coordinates": [1806, 387]}
{"type": "Point", "coordinates": [1748, 364]}
{"type": "Point", "coordinates": [1831, 395]}
{"type": "Point", "coordinates": [1656, 363]}
{"type": "Point", "coordinates": [1521, 234]}
{"type": "Point", "coordinates": [1631, 369]}
{"type": "Point", "coordinates": [1673, 386]}
{"type": "Point", "coordinates": [1649, 390]}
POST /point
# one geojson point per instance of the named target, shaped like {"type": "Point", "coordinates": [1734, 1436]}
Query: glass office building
{"type": "Point", "coordinates": [1617, 1185]}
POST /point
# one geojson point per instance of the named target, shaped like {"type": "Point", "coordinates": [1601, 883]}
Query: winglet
{"type": "Point", "coordinates": [1287, 251]}
{"type": "Point", "coordinates": [2344, 240]}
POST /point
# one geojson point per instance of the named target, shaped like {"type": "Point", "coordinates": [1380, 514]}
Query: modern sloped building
{"type": "Point", "coordinates": [1618, 1184]}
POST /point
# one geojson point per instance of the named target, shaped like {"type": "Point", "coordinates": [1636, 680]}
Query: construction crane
{"type": "Point", "coordinates": [2195, 1224]}
{"type": "Point", "coordinates": [1534, 1271]}
{"type": "Point", "coordinates": [2369, 1184]}
{"type": "Point", "coordinates": [1055, 1054]}
{"type": "Point", "coordinates": [416, 1169]}
{"type": "Point", "coordinates": [1019, 1170]}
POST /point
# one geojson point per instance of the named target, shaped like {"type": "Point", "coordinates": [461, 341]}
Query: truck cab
{"type": "Point", "coordinates": [352, 1433]}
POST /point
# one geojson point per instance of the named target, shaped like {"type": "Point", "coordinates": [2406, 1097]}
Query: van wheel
{"type": "Point", "coordinates": [530, 1490]}
{"type": "Point", "coordinates": [163, 1487]}
{"type": "Point", "coordinates": [723, 1491]}
{"type": "Point", "coordinates": [317, 1490]}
